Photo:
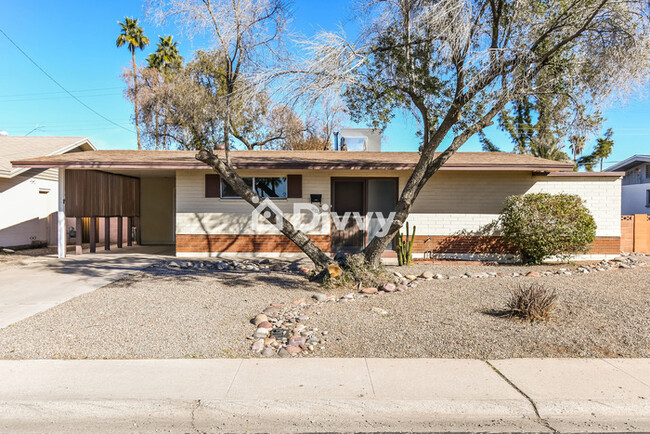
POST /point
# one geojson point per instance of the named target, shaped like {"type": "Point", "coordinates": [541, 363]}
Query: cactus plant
{"type": "Point", "coordinates": [405, 247]}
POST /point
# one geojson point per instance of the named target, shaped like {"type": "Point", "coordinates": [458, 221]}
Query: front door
{"type": "Point", "coordinates": [348, 196]}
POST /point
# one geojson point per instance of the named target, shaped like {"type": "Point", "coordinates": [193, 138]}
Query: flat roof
{"type": "Point", "coordinates": [317, 160]}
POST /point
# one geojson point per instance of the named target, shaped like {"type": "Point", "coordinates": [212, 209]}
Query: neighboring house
{"type": "Point", "coordinates": [28, 197]}
{"type": "Point", "coordinates": [170, 197]}
{"type": "Point", "coordinates": [635, 197]}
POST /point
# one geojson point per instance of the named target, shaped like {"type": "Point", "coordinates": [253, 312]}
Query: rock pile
{"type": "Point", "coordinates": [604, 265]}
{"type": "Point", "coordinates": [264, 265]}
{"type": "Point", "coordinates": [282, 330]}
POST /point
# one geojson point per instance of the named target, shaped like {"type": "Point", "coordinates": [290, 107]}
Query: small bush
{"type": "Point", "coordinates": [532, 303]}
{"type": "Point", "coordinates": [542, 225]}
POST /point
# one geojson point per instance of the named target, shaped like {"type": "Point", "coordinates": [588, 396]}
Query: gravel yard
{"type": "Point", "coordinates": [163, 313]}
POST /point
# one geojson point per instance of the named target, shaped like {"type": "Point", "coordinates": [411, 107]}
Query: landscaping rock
{"type": "Point", "coordinates": [411, 276]}
{"type": "Point", "coordinates": [8, 251]}
{"type": "Point", "coordinates": [265, 325]}
{"type": "Point", "coordinates": [292, 349]}
{"type": "Point", "coordinates": [319, 297]}
{"type": "Point", "coordinates": [533, 274]}
{"type": "Point", "coordinates": [258, 346]}
{"type": "Point", "coordinates": [388, 287]}
{"type": "Point", "coordinates": [297, 341]}
{"type": "Point", "coordinates": [370, 290]}
{"type": "Point", "coordinates": [268, 352]}
{"type": "Point", "coordinates": [284, 353]}
{"type": "Point", "coordinates": [260, 319]}
{"type": "Point", "coordinates": [261, 333]}
{"type": "Point", "coordinates": [427, 275]}
{"type": "Point", "coordinates": [401, 288]}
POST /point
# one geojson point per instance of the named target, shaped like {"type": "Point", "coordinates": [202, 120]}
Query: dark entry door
{"type": "Point", "coordinates": [348, 196]}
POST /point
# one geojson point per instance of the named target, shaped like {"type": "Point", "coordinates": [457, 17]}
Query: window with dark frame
{"type": "Point", "coordinates": [276, 187]}
{"type": "Point", "coordinates": [647, 201]}
{"type": "Point", "coordinates": [271, 187]}
{"type": "Point", "coordinates": [227, 191]}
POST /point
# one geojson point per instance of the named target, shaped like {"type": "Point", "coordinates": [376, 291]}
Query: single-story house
{"type": "Point", "coordinates": [29, 196]}
{"type": "Point", "coordinates": [636, 184]}
{"type": "Point", "coordinates": [172, 198]}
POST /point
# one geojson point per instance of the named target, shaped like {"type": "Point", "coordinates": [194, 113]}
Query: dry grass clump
{"type": "Point", "coordinates": [355, 273]}
{"type": "Point", "coordinates": [532, 302]}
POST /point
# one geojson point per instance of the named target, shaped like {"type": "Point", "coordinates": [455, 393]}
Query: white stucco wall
{"type": "Point", "coordinates": [24, 211]}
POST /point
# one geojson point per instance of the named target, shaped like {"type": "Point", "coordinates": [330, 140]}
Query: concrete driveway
{"type": "Point", "coordinates": [39, 283]}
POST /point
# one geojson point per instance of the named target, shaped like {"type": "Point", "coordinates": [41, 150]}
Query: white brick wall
{"type": "Point", "coordinates": [452, 201]}
{"type": "Point", "coordinates": [601, 195]}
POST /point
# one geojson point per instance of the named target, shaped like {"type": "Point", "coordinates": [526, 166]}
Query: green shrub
{"type": "Point", "coordinates": [532, 303]}
{"type": "Point", "coordinates": [541, 225]}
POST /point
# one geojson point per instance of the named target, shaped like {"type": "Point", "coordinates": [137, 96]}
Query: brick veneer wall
{"type": "Point", "coordinates": [423, 243]}
{"type": "Point", "coordinates": [243, 243]}
{"type": "Point", "coordinates": [495, 245]}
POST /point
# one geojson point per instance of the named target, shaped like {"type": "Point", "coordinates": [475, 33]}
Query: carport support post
{"type": "Point", "coordinates": [129, 231]}
{"type": "Point", "coordinates": [120, 222]}
{"type": "Point", "coordinates": [61, 235]}
{"type": "Point", "coordinates": [93, 229]}
{"type": "Point", "coordinates": [107, 233]}
{"type": "Point", "coordinates": [79, 235]}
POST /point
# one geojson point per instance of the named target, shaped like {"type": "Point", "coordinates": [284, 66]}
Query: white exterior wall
{"type": "Point", "coordinates": [601, 195]}
{"type": "Point", "coordinates": [24, 211]}
{"type": "Point", "coordinates": [635, 199]}
{"type": "Point", "coordinates": [197, 214]}
{"type": "Point", "coordinates": [451, 201]}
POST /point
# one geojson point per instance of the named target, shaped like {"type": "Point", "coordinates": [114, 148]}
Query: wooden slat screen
{"type": "Point", "coordinates": [89, 193]}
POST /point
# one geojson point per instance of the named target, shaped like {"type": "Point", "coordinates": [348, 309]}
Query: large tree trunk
{"type": "Point", "coordinates": [424, 169]}
{"type": "Point", "coordinates": [320, 259]}
{"type": "Point", "coordinates": [135, 100]}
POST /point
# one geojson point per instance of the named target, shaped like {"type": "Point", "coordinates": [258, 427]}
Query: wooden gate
{"type": "Point", "coordinates": [635, 233]}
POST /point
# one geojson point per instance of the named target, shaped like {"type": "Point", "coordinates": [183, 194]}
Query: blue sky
{"type": "Point", "coordinates": [74, 41]}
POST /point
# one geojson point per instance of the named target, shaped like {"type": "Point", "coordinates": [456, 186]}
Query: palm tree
{"type": "Point", "coordinates": [577, 146]}
{"type": "Point", "coordinates": [604, 147]}
{"type": "Point", "coordinates": [133, 35]}
{"type": "Point", "coordinates": [165, 59]}
{"type": "Point", "coordinates": [166, 56]}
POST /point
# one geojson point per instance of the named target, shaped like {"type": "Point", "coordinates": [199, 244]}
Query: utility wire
{"type": "Point", "coordinates": [16, 95]}
{"type": "Point", "coordinates": [63, 88]}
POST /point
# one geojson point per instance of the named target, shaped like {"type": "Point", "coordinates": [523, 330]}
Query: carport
{"type": "Point", "coordinates": [117, 207]}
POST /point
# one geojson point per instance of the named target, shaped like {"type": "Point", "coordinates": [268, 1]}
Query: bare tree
{"type": "Point", "coordinates": [246, 37]}
{"type": "Point", "coordinates": [456, 64]}
{"type": "Point", "coordinates": [453, 64]}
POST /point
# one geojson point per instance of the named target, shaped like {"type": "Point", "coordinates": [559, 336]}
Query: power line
{"type": "Point", "coordinates": [61, 86]}
{"type": "Point", "coordinates": [17, 95]}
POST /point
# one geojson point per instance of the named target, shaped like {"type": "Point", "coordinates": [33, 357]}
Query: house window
{"type": "Point", "coordinates": [647, 199]}
{"type": "Point", "coordinates": [647, 171]}
{"type": "Point", "coordinates": [227, 191]}
{"type": "Point", "coordinates": [271, 187]}
{"type": "Point", "coordinates": [275, 187]}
